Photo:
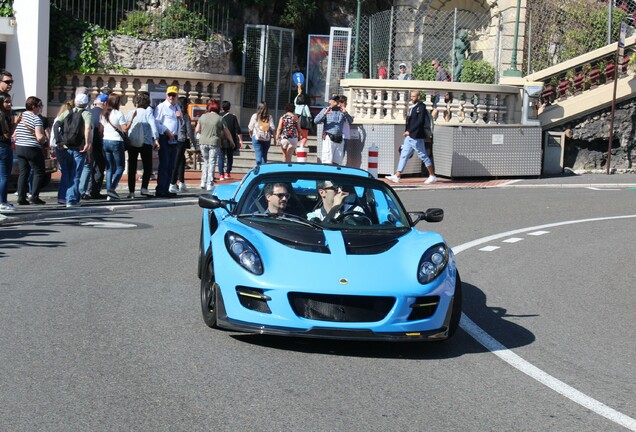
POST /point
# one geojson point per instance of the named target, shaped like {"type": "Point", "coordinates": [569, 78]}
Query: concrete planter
{"type": "Point", "coordinates": [6, 29]}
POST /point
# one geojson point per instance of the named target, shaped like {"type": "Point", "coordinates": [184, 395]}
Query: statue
{"type": "Point", "coordinates": [462, 50]}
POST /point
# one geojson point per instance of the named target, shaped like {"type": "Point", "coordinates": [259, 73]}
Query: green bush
{"type": "Point", "coordinates": [6, 8]}
{"type": "Point", "coordinates": [176, 21]}
{"type": "Point", "coordinates": [423, 71]}
{"type": "Point", "coordinates": [478, 71]}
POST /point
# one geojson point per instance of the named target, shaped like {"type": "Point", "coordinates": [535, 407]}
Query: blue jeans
{"type": "Point", "coordinates": [72, 164]}
{"type": "Point", "coordinates": [115, 160]}
{"type": "Point", "coordinates": [413, 145]}
{"type": "Point", "coordinates": [167, 159]}
{"type": "Point", "coordinates": [260, 150]}
{"type": "Point", "coordinates": [65, 180]}
{"type": "Point", "coordinates": [85, 179]}
{"type": "Point", "coordinates": [6, 165]}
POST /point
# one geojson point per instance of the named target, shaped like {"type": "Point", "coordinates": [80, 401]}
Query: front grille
{"type": "Point", "coordinates": [340, 308]}
{"type": "Point", "coordinates": [423, 307]}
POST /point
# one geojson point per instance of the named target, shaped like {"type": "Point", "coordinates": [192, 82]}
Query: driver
{"type": "Point", "coordinates": [333, 202]}
{"type": "Point", "coordinates": [277, 197]}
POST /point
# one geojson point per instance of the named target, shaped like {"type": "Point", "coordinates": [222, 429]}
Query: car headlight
{"type": "Point", "coordinates": [432, 263]}
{"type": "Point", "coordinates": [244, 253]}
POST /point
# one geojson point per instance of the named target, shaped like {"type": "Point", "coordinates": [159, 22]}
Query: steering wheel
{"type": "Point", "coordinates": [353, 217]}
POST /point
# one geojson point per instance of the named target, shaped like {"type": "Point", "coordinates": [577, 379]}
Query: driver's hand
{"type": "Point", "coordinates": [339, 197]}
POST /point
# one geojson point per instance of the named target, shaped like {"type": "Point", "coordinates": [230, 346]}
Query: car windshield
{"type": "Point", "coordinates": [341, 202]}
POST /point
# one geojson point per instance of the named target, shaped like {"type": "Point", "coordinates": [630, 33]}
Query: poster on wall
{"type": "Point", "coordinates": [317, 65]}
{"type": "Point", "coordinates": [157, 93]}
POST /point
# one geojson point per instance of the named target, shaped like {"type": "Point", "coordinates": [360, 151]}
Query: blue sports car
{"type": "Point", "coordinates": [324, 251]}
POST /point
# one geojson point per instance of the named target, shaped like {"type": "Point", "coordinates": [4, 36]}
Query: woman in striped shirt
{"type": "Point", "coordinates": [29, 148]}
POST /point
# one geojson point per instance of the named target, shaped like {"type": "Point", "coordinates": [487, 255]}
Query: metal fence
{"type": "Point", "coordinates": [556, 34]}
{"type": "Point", "coordinates": [267, 68]}
{"type": "Point", "coordinates": [416, 37]}
{"type": "Point", "coordinates": [145, 19]}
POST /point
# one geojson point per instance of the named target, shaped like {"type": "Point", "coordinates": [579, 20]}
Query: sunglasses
{"type": "Point", "coordinates": [8, 82]}
{"type": "Point", "coordinates": [172, 94]}
{"type": "Point", "coordinates": [333, 188]}
{"type": "Point", "coordinates": [282, 195]}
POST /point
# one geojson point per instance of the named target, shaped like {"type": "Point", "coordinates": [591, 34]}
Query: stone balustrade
{"type": "Point", "coordinates": [375, 101]}
{"type": "Point", "coordinates": [196, 86]}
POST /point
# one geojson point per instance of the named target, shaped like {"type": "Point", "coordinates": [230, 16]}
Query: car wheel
{"type": "Point", "coordinates": [209, 296]}
{"type": "Point", "coordinates": [457, 308]}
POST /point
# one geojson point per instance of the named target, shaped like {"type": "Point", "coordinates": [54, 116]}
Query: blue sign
{"type": "Point", "coordinates": [299, 78]}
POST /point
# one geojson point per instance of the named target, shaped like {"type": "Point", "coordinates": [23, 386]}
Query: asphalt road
{"type": "Point", "coordinates": [100, 329]}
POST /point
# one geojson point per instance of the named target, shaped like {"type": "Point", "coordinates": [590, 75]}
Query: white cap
{"type": "Point", "coordinates": [81, 100]}
{"type": "Point", "coordinates": [402, 64]}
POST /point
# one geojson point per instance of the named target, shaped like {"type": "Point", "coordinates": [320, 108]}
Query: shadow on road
{"type": "Point", "coordinates": [491, 319]}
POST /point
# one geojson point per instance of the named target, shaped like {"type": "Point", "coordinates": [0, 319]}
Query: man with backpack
{"type": "Point", "coordinates": [73, 137]}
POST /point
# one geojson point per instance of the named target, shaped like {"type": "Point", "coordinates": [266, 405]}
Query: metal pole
{"type": "Point", "coordinates": [609, 21]}
{"type": "Point", "coordinates": [355, 73]}
{"type": "Point", "coordinates": [529, 42]}
{"type": "Point", "coordinates": [513, 71]}
{"type": "Point", "coordinates": [390, 56]}
{"type": "Point", "coordinates": [452, 71]}
{"type": "Point", "coordinates": [611, 131]}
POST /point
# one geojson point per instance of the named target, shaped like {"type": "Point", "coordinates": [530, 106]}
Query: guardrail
{"type": "Point", "coordinates": [376, 101]}
{"type": "Point", "coordinates": [196, 86]}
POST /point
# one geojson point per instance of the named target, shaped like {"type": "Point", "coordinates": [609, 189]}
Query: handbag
{"type": "Point", "coordinates": [306, 121]}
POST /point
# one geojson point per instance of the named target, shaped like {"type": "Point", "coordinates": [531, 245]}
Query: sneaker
{"type": "Point", "coordinates": [61, 202]}
{"type": "Point", "coordinates": [8, 207]}
{"type": "Point", "coordinates": [209, 188]}
{"type": "Point", "coordinates": [226, 176]}
{"type": "Point", "coordinates": [183, 187]}
{"type": "Point", "coordinates": [173, 188]}
{"type": "Point", "coordinates": [71, 205]}
{"type": "Point", "coordinates": [131, 195]}
{"type": "Point", "coordinates": [221, 178]}
{"type": "Point", "coordinates": [393, 178]}
{"type": "Point", "coordinates": [36, 201]}
{"type": "Point", "coordinates": [145, 192]}
{"type": "Point", "coordinates": [112, 195]}
{"type": "Point", "coordinates": [430, 179]}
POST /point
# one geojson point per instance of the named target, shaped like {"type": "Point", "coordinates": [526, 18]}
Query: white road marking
{"type": "Point", "coordinates": [498, 349]}
{"type": "Point", "coordinates": [513, 240]}
{"type": "Point", "coordinates": [108, 224]}
{"type": "Point", "coordinates": [603, 189]}
{"type": "Point", "coordinates": [538, 233]}
{"type": "Point", "coordinates": [489, 248]}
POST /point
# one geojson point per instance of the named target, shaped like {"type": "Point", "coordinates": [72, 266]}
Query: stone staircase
{"type": "Point", "coordinates": [245, 160]}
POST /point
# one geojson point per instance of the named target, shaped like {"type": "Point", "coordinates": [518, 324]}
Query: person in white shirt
{"type": "Point", "coordinates": [333, 202]}
{"type": "Point", "coordinates": [168, 116]}
{"type": "Point", "coordinates": [114, 126]}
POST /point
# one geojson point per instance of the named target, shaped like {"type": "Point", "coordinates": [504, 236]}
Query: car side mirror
{"type": "Point", "coordinates": [213, 202]}
{"type": "Point", "coordinates": [431, 215]}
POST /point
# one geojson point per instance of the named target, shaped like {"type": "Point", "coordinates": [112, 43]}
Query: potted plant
{"type": "Point", "coordinates": [578, 81]}
{"type": "Point", "coordinates": [564, 84]}
{"type": "Point", "coordinates": [7, 20]}
{"type": "Point", "coordinates": [549, 89]}
{"type": "Point", "coordinates": [594, 74]}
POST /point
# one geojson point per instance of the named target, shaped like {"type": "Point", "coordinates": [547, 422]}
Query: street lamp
{"type": "Point", "coordinates": [513, 71]}
{"type": "Point", "coordinates": [355, 73]}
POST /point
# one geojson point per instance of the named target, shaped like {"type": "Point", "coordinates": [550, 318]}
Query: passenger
{"type": "Point", "coordinates": [277, 197]}
{"type": "Point", "coordinates": [333, 202]}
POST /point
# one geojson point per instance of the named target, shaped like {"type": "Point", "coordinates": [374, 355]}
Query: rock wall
{"type": "Point", "coordinates": [586, 146]}
{"type": "Point", "coordinates": [185, 54]}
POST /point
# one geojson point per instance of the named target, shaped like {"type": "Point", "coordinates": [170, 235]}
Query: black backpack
{"type": "Point", "coordinates": [71, 130]}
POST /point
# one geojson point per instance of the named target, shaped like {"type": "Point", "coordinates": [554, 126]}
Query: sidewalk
{"type": "Point", "coordinates": [192, 179]}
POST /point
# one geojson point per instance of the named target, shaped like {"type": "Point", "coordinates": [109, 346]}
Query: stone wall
{"type": "Point", "coordinates": [189, 55]}
{"type": "Point", "coordinates": [586, 146]}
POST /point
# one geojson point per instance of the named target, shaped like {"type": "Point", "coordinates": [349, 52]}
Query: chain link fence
{"type": "Point", "coordinates": [147, 19]}
{"type": "Point", "coordinates": [416, 37]}
{"type": "Point", "coordinates": [574, 28]}
{"type": "Point", "coordinates": [267, 68]}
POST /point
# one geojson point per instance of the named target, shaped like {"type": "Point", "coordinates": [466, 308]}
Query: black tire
{"type": "Point", "coordinates": [457, 308]}
{"type": "Point", "coordinates": [209, 296]}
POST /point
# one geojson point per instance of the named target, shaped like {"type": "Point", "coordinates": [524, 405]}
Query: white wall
{"type": "Point", "coordinates": [28, 51]}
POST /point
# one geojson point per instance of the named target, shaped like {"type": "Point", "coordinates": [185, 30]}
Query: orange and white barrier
{"type": "Point", "coordinates": [373, 160]}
